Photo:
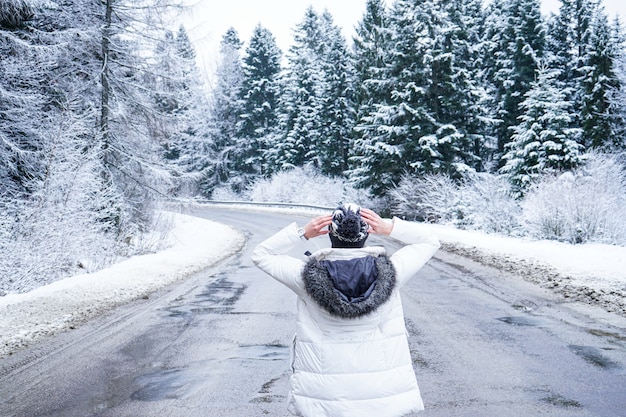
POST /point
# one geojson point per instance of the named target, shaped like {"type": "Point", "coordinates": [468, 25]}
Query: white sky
{"type": "Point", "coordinates": [208, 20]}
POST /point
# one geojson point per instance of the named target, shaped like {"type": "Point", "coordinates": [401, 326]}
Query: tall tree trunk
{"type": "Point", "coordinates": [104, 110]}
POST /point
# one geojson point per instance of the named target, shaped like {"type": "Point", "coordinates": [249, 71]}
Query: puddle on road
{"type": "Point", "coordinates": [518, 321]}
{"type": "Point", "coordinates": [173, 312]}
{"type": "Point", "coordinates": [594, 356]}
{"type": "Point", "coordinates": [162, 385]}
{"type": "Point", "coordinates": [265, 393]}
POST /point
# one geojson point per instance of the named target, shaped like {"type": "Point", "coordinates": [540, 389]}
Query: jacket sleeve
{"type": "Point", "coordinates": [421, 245]}
{"type": "Point", "coordinates": [269, 257]}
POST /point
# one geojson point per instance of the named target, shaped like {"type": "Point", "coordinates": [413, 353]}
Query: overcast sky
{"type": "Point", "coordinates": [207, 20]}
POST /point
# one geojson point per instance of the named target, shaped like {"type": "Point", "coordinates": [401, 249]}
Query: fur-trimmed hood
{"type": "Point", "coordinates": [350, 288]}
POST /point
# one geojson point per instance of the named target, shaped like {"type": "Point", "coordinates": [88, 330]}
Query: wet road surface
{"type": "Point", "coordinates": [484, 344]}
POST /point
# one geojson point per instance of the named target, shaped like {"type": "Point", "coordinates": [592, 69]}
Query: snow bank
{"type": "Point", "coordinates": [592, 273]}
{"type": "Point", "coordinates": [193, 244]}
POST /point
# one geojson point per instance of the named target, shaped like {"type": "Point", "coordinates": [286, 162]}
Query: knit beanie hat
{"type": "Point", "coordinates": [348, 229]}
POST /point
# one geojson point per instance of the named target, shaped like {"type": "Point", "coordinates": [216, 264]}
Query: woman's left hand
{"type": "Point", "coordinates": [377, 224]}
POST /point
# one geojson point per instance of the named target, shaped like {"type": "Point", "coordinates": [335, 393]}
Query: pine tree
{"type": "Point", "coordinates": [297, 141]}
{"type": "Point", "coordinates": [21, 102]}
{"type": "Point", "coordinates": [259, 97]}
{"type": "Point", "coordinates": [597, 82]}
{"type": "Point", "coordinates": [567, 45]}
{"type": "Point", "coordinates": [132, 158]}
{"type": "Point", "coordinates": [543, 141]}
{"type": "Point", "coordinates": [370, 45]}
{"type": "Point", "coordinates": [78, 114]}
{"type": "Point", "coordinates": [617, 97]}
{"type": "Point", "coordinates": [516, 39]}
{"type": "Point", "coordinates": [337, 112]}
{"type": "Point", "coordinates": [182, 103]}
{"type": "Point", "coordinates": [390, 133]}
{"type": "Point", "coordinates": [560, 45]}
{"type": "Point", "coordinates": [226, 113]}
{"type": "Point", "coordinates": [455, 94]}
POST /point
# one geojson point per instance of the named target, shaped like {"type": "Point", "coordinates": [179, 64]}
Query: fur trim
{"type": "Point", "coordinates": [318, 285]}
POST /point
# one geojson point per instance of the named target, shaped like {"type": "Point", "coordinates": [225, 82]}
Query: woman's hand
{"type": "Point", "coordinates": [316, 227]}
{"type": "Point", "coordinates": [377, 224]}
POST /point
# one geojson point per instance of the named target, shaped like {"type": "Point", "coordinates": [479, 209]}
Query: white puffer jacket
{"type": "Point", "coordinates": [350, 367]}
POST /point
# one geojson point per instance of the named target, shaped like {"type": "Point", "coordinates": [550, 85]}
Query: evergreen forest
{"type": "Point", "coordinates": [105, 115]}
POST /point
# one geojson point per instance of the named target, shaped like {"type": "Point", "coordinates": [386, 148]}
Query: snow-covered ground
{"type": "Point", "coordinates": [591, 273]}
{"type": "Point", "coordinates": [194, 244]}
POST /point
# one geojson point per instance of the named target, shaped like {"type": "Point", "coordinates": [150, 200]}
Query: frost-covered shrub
{"type": "Point", "coordinates": [480, 201]}
{"type": "Point", "coordinates": [431, 198]}
{"type": "Point", "coordinates": [307, 186]}
{"type": "Point", "coordinates": [586, 205]}
{"type": "Point", "coordinates": [226, 193]}
{"type": "Point", "coordinates": [47, 240]}
{"type": "Point", "coordinates": [487, 204]}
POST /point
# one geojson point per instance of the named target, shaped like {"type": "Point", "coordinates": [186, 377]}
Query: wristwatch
{"type": "Point", "coordinates": [301, 233]}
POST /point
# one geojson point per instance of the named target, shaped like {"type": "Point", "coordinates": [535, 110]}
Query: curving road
{"type": "Point", "coordinates": [484, 344]}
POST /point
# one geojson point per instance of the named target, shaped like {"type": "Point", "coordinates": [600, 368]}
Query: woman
{"type": "Point", "coordinates": [350, 354]}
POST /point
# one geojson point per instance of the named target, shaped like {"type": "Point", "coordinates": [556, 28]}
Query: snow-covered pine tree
{"type": "Point", "coordinates": [389, 145]}
{"type": "Point", "coordinates": [515, 34]}
{"type": "Point", "coordinates": [617, 97]}
{"type": "Point", "coordinates": [561, 46]}
{"type": "Point", "coordinates": [455, 94]}
{"type": "Point", "coordinates": [167, 87]}
{"type": "Point", "coordinates": [337, 112]}
{"type": "Point", "coordinates": [567, 41]}
{"type": "Point", "coordinates": [183, 105]}
{"type": "Point", "coordinates": [226, 113]}
{"type": "Point", "coordinates": [368, 46]}
{"type": "Point", "coordinates": [369, 52]}
{"type": "Point", "coordinates": [259, 100]}
{"type": "Point", "coordinates": [543, 141]}
{"type": "Point", "coordinates": [598, 79]}
{"type": "Point", "coordinates": [497, 67]}
{"type": "Point", "coordinates": [21, 99]}
{"type": "Point", "coordinates": [52, 186]}
{"type": "Point", "coordinates": [132, 158]}
{"type": "Point", "coordinates": [297, 141]}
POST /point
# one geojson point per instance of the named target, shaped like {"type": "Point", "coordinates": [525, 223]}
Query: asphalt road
{"type": "Point", "coordinates": [484, 344]}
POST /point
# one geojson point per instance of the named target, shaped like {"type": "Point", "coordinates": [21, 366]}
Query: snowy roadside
{"type": "Point", "coordinates": [193, 244]}
{"type": "Point", "coordinates": [591, 273]}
